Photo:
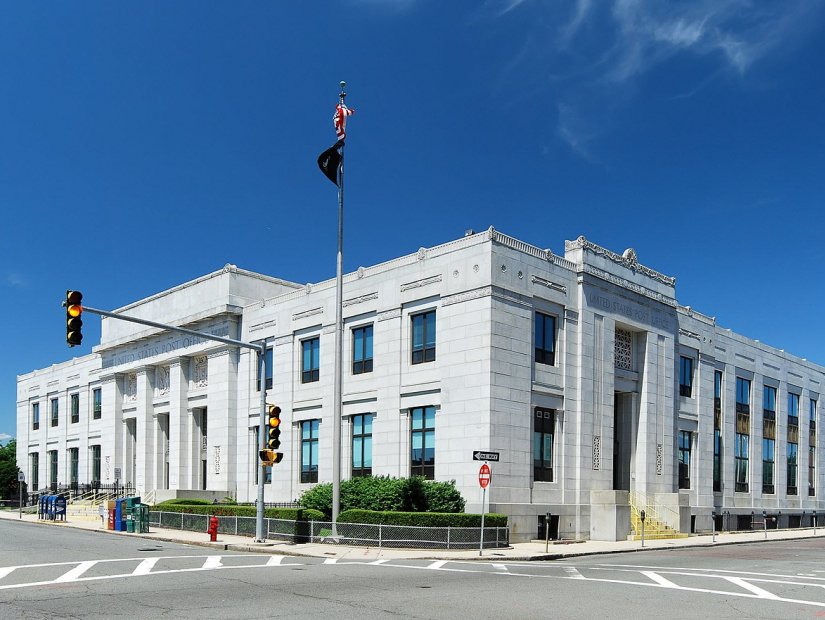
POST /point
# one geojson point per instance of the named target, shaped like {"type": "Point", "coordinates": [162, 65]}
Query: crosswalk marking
{"type": "Point", "coordinates": [6, 570]}
{"type": "Point", "coordinates": [657, 578]}
{"type": "Point", "coordinates": [76, 572]}
{"type": "Point", "coordinates": [145, 567]}
{"type": "Point", "coordinates": [213, 561]}
{"type": "Point", "coordinates": [573, 572]}
{"type": "Point", "coordinates": [750, 587]}
{"type": "Point", "coordinates": [437, 564]}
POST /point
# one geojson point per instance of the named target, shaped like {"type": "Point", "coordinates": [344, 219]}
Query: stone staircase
{"type": "Point", "coordinates": [656, 527]}
{"type": "Point", "coordinates": [83, 510]}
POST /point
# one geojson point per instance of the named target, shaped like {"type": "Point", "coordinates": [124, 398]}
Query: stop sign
{"type": "Point", "coordinates": [484, 476]}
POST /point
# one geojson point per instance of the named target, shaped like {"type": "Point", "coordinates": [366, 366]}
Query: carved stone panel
{"type": "Point", "coordinates": [130, 388]}
{"type": "Point", "coordinates": [162, 381]}
{"type": "Point", "coordinates": [623, 349]}
{"type": "Point", "coordinates": [200, 372]}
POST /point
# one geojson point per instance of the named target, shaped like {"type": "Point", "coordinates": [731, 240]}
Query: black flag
{"type": "Point", "coordinates": [329, 162]}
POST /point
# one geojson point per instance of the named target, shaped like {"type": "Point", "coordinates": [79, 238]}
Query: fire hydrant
{"type": "Point", "coordinates": [212, 530]}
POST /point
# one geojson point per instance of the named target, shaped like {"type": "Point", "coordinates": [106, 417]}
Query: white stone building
{"type": "Point", "coordinates": [599, 391]}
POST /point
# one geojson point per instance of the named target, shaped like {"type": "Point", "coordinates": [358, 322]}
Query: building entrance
{"type": "Point", "coordinates": [624, 440]}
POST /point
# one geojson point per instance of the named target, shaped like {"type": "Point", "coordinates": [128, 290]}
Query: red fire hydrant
{"type": "Point", "coordinates": [212, 530]}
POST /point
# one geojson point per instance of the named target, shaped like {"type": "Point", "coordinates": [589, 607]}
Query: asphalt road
{"type": "Point", "coordinates": [50, 572]}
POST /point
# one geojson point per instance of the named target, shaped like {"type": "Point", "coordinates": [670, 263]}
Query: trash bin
{"type": "Point", "coordinates": [111, 523]}
{"type": "Point", "coordinates": [120, 523]}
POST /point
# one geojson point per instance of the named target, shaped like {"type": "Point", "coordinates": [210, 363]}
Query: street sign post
{"type": "Point", "coordinates": [21, 478]}
{"type": "Point", "coordinates": [480, 455]}
{"type": "Point", "coordinates": [483, 482]}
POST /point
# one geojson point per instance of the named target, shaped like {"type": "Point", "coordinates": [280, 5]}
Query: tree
{"type": "Point", "coordinates": [8, 470]}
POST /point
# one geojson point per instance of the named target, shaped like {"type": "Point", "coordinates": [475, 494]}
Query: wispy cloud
{"type": "Point", "coordinates": [14, 279]}
{"type": "Point", "coordinates": [596, 50]}
{"type": "Point", "coordinates": [5, 437]}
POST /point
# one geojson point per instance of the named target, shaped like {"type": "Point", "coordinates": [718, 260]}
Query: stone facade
{"type": "Point", "coordinates": [615, 390]}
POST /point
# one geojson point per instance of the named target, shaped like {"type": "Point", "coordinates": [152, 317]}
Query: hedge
{"type": "Point", "coordinates": [186, 502]}
{"type": "Point", "coordinates": [422, 519]}
{"type": "Point", "coordinates": [229, 510]}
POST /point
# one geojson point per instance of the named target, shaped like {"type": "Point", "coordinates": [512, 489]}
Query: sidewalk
{"type": "Point", "coordinates": [517, 552]}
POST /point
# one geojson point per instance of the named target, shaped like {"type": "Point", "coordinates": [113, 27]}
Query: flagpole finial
{"type": "Point", "coordinates": [343, 92]}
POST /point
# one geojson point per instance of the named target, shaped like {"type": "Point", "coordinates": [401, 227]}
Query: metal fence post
{"type": "Point", "coordinates": [236, 525]}
{"type": "Point", "coordinates": [448, 536]}
{"type": "Point", "coordinates": [181, 521]}
{"type": "Point", "coordinates": [380, 535]}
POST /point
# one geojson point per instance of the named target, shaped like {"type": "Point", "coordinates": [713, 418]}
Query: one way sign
{"type": "Point", "coordinates": [485, 456]}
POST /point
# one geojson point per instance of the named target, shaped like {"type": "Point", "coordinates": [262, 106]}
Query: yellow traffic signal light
{"type": "Point", "coordinates": [74, 323]}
{"type": "Point", "coordinates": [270, 455]}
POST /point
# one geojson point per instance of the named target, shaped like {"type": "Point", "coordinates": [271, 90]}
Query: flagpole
{"type": "Point", "coordinates": [339, 341]}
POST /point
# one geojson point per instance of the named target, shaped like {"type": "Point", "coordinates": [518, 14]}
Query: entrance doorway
{"type": "Point", "coordinates": [623, 440]}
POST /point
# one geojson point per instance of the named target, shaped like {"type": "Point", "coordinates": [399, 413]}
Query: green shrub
{"type": "Point", "coordinates": [228, 510]}
{"type": "Point", "coordinates": [192, 501]}
{"type": "Point", "coordinates": [422, 519]}
{"type": "Point", "coordinates": [383, 493]}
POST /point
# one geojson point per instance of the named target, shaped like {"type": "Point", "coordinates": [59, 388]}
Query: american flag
{"type": "Point", "coordinates": [339, 119]}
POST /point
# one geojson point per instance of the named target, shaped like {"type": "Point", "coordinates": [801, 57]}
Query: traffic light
{"type": "Point", "coordinates": [73, 321]}
{"type": "Point", "coordinates": [273, 441]}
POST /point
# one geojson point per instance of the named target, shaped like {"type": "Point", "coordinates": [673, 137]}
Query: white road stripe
{"type": "Point", "coordinates": [213, 561]}
{"type": "Point", "coordinates": [437, 564]}
{"type": "Point", "coordinates": [331, 561]}
{"type": "Point", "coordinates": [573, 572]}
{"type": "Point", "coordinates": [145, 567]}
{"type": "Point", "coordinates": [499, 566]}
{"type": "Point", "coordinates": [6, 570]}
{"type": "Point", "coordinates": [657, 578]}
{"type": "Point", "coordinates": [76, 572]}
{"type": "Point", "coordinates": [752, 588]}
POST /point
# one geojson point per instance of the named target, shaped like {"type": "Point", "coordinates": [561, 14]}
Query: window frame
{"type": "Point", "coordinates": [541, 353]}
{"type": "Point", "coordinates": [270, 368]}
{"type": "Point", "coordinates": [309, 447]}
{"type": "Point", "coordinates": [685, 448]}
{"type": "Point", "coordinates": [421, 466]}
{"type": "Point", "coordinates": [54, 412]}
{"type": "Point", "coordinates": [792, 471]}
{"type": "Point", "coordinates": [364, 364]}
{"type": "Point", "coordinates": [74, 407]}
{"type": "Point", "coordinates": [34, 470]}
{"type": "Point", "coordinates": [96, 463]}
{"type": "Point", "coordinates": [35, 416]}
{"type": "Point", "coordinates": [424, 353]}
{"type": "Point", "coordinates": [312, 348]}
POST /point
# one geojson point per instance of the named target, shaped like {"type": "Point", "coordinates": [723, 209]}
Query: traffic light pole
{"type": "Point", "coordinates": [260, 348]}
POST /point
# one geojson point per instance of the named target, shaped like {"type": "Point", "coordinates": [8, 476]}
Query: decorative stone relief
{"type": "Point", "coordinates": [659, 459]}
{"type": "Point", "coordinates": [623, 349]}
{"type": "Point", "coordinates": [628, 259]}
{"type": "Point", "coordinates": [419, 283]}
{"type": "Point", "coordinates": [217, 459]}
{"type": "Point", "coordinates": [200, 374]}
{"type": "Point", "coordinates": [162, 380]}
{"type": "Point", "coordinates": [597, 452]}
{"type": "Point", "coordinates": [422, 253]}
{"type": "Point", "coordinates": [130, 388]}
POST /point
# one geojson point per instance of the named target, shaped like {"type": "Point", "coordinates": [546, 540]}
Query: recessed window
{"type": "Point", "coordinates": [741, 442]}
{"type": "Point", "coordinates": [545, 337]}
{"type": "Point", "coordinates": [55, 411]}
{"type": "Point", "coordinates": [362, 350]}
{"type": "Point", "coordinates": [95, 464]}
{"type": "Point", "coordinates": [35, 416]}
{"type": "Point", "coordinates": [97, 404]}
{"type": "Point", "coordinates": [686, 376]}
{"type": "Point", "coordinates": [362, 445]}
{"type": "Point", "coordinates": [544, 423]}
{"type": "Point", "coordinates": [310, 362]}
{"type": "Point", "coordinates": [74, 401]}
{"type": "Point", "coordinates": [685, 438]}
{"type": "Point", "coordinates": [422, 457]}
{"type": "Point", "coordinates": [34, 471]}
{"type": "Point", "coordinates": [74, 466]}
{"type": "Point", "coordinates": [309, 451]}
{"type": "Point", "coordinates": [268, 361]}
{"type": "Point", "coordinates": [423, 337]}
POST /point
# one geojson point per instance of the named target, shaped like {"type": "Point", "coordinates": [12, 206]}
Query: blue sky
{"type": "Point", "coordinates": [147, 143]}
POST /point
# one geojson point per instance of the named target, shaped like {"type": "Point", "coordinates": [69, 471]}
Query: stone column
{"type": "Point", "coordinates": [144, 430]}
{"type": "Point", "coordinates": [222, 412]}
{"type": "Point", "coordinates": [178, 424]}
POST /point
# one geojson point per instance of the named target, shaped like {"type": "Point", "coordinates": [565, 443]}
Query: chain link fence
{"type": "Point", "coordinates": [353, 534]}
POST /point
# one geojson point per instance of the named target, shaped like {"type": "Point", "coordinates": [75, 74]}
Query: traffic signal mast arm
{"type": "Point", "coordinates": [72, 303]}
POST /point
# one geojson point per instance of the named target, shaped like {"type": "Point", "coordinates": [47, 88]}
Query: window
{"type": "Point", "coordinates": [685, 376]}
{"type": "Point", "coordinates": [268, 361]}
{"type": "Point", "coordinates": [742, 437]}
{"type": "Point", "coordinates": [362, 350]}
{"type": "Point", "coordinates": [768, 439]}
{"type": "Point", "coordinates": [793, 443]}
{"type": "Point", "coordinates": [793, 449]}
{"type": "Point", "coordinates": [309, 451]}
{"type": "Point", "coordinates": [422, 458]}
{"type": "Point", "coordinates": [256, 464]}
{"type": "Point", "coordinates": [34, 470]}
{"type": "Point", "coordinates": [812, 449]}
{"type": "Point", "coordinates": [362, 445]}
{"type": "Point", "coordinates": [55, 413]}
{"type": "Point", "coordinates": [95, 464]}
{"type": "Point", "coordinates": [97, 403]}
{"type": "Point", "coordinates": [685, 438]}
{"type": "Point", "coordinates": [740, 448]}
{"type": "Point", "coordinates": [545, 338]}
{"type": "Point", "coordinates": [53, 469]}
{"type": "Point", "coordinates": [423, 337]}
{"type": "Point", "coordinates": [74, 399]}
{"type": "Point", "coordinates": [74, 465]}
{"type": "Point", "coordinates": [717, 431]}
{"type": "Point", "coordinates": [543, 428]}
{"type": "Point", "coordinates": [35, 416]}
{"type": "Point", "coordinates": [309, 360]}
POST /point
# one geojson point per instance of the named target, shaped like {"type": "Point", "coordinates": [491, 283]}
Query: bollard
{"type": "Point", "coordinates": [713, 521]}
{"type": "Point", "coordinates": [642, 515]}
{"type": "Point", "coordinates": [765, 523]}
